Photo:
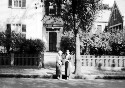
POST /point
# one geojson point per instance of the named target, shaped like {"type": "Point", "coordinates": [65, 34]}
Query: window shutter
{"type": "Point", "coordinates": [23, 3]}
{"type": "Point", "coordinates": [8, 30]}
{"type": "Point", "coordinates": [59, 10]}
{"type": "Point", "coordinates": [9, 3]}
{"type": "Point", "coordinates": [47, 7]}
{"type": "Point", "coordinates": [8, 26]}
{"type": "Point", "coordinates": [54, 10]}
{"type": "Point", "coordinates": [59, 2]}
{"type": "Point", "coordinates": [23, 28]}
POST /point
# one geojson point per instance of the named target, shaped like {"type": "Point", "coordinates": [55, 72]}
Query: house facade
{"type": "Point", "coordinates": [52, 26]}
{"type": "Point", "coordinates": [115, 22]}
{"type": "Point", "coordinates": [32, 18]}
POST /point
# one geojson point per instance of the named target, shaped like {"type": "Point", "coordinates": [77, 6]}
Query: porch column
{"type": "Point", "coordinates": [58, 41]}
{"type": "Point", "coordinates": [47, 41]}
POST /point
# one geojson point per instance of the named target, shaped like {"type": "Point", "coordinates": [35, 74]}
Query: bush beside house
{"type": "Point", "coordinates": [19, 44]}
{"type": "Point", "coordinates": [67, 43]}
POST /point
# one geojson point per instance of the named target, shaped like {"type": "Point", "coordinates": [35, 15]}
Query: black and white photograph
{"type": "Point", "coordinates": [62, 43]}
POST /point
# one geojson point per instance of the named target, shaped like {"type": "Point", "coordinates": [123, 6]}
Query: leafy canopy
{"type": "Point", "coordinates": [83, 11]}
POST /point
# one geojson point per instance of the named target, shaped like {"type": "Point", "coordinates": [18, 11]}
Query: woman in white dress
{"type": "Point", "coordinates": [59, 65]}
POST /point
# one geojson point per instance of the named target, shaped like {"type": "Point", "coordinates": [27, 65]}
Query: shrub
{"type": "Point", "coordinates": [67, 43]}
{"type": "Point", "coordinates": [22, 45]}
{"type": "Point", "coordinates": [18, 44]}
{"type": "Point", "coordinates": [31, 46]}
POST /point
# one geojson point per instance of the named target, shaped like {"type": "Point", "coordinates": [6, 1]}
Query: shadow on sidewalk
{"type": "Point", "coordinates": [55, 77]}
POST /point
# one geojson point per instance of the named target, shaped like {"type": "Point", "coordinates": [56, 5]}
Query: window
{"type": "Point", "coordinates": [51, 8]}
{"type": "Point", "coordinates": [23, 3]}
{"type": "Point", "coordinates": [23, 28]}
{"type": "Point", "coordinates": [99, 27]}
{"type": "Point", "coordinates": [16, 27]}
{"type": "Point", "coordinates": [10, 3]}
{"type": "Point", "coordinates": [16, 3]}
{"type": "Point", "coordinates": [23, 35]}
{"type": "Point", "coordinates": [19, 28]}
{"type": "Point", "coordinates": [115, 12]}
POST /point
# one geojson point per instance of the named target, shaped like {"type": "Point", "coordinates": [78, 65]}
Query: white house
{"type": "Point", "coordinates": [22, 16]}
{"type": "Point", "coordinates": [101, 21]}
{"type": "Point", "coordinates": [32, 19]}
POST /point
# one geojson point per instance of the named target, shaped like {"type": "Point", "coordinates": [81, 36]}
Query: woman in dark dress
{"type": "Point", "coordinates": [68, 65]}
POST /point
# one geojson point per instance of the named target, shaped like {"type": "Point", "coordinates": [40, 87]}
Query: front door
{"type": "Point", "coordinates": [52, 41]}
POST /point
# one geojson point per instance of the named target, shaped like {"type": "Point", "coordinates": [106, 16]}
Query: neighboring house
{"type": "Point", "coordinates": [101, 20]}
{"type": "Point", "coordinates": [116, 19]}
{"type": "Point", "coordinates": [109, 19]}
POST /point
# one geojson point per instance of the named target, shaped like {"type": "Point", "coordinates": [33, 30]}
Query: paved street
{"type": "Point", "coordinates": [54, 83]}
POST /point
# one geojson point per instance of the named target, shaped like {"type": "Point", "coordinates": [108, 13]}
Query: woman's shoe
{"type": "Point", "coordinates": [58, 78]}
{"type": "Point", "coordinates": [67, 78]}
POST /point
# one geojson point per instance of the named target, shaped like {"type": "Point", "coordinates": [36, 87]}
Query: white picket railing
{"type": "Point", "coordinates": [106, 61]}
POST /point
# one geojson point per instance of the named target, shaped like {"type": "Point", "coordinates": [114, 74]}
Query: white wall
{"type": "Point", "coordinates": [94, 28]}
{"type": "Point", "coordinates": [30, 16]}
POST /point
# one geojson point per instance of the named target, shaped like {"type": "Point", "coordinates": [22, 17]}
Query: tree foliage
{"type": "Point", "coordinates": [104, 43]}
{"type": "Point", "coordinates": [100, 44]}
{"type": "Point", "coordinates": [67, 43]}
{"type": "Point", "coordinates": [117, 42]}
{"type": "Point", "coordinates": [83, 11]}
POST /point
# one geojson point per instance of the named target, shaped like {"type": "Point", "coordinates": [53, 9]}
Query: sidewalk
{"type": "Point", "coordinates": [87, 73]}
{"type": "Point", "coordinates": [18, 72]}
{"type": "Point", "coordinates": [28, 72]}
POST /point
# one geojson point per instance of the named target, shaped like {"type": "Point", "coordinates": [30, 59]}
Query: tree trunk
{"type": "Point", "coordinates": [77, 58]}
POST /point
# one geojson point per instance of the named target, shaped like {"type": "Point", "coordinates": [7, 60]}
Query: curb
{"type": "Point", "coordinates": [53, 76]}
{"type": "Point", "coordinates": [24, 76]}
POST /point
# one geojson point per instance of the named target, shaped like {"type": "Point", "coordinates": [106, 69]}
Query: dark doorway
{"type": "Point", "coordinates": [52, 41]}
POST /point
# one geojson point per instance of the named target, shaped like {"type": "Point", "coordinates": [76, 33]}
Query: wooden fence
{"type": "Point", "coordinates": [20, 59]}
{"type": "Point", "coordinates": [5, 59]}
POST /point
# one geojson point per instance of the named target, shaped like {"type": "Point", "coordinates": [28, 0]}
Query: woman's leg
{"type": "Point", "coordinates": [66, 68]}
{"type": "Point", "coordinates": [57, 71]}
{"type": "Point", "coordinates": [60, 71]}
